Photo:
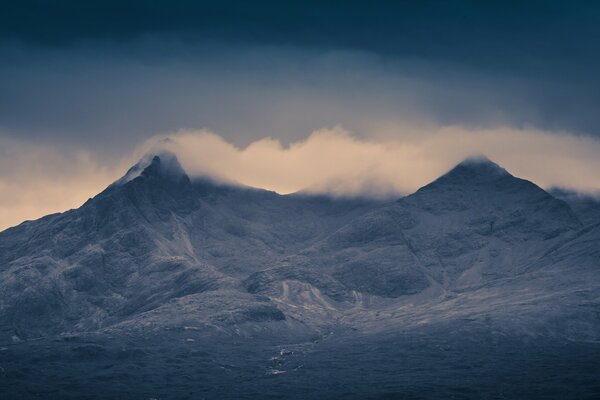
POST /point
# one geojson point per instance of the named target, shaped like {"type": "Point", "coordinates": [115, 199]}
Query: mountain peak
{"type": "Point", "coordinates": [482, 189]}
{"type": "Point", "coordinates": [155, 165]}
{"type": "Point", "coordinates": [479, 165]}
{"type": "Point", "coordinates": [477, 170]}
{"type": "Point", "coordinates": [473, 172]}
{"type": "Point", "coordinates": [164, 164]}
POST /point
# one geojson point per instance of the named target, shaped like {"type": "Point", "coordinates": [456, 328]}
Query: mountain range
{"type": "Point", "coordinates": [478, 257]}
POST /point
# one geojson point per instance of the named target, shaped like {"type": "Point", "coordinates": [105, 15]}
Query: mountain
{"type": "Point", "coordinates": [168, 260]}
{"type": "Point", "coordinates": [586, 206]}
{"type": "Point", "coordinates": [472, 242]}
{"type": "Point", "coordinates": [152, 237]}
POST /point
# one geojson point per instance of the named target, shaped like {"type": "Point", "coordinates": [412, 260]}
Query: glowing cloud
{"type": "Point", "coordinates": [35, 181]}
{"type": "Point", "coordinates": [335, 161]}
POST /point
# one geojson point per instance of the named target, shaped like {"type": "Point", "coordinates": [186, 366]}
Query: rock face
{"type": "Point", "coordinates": [157, 250]}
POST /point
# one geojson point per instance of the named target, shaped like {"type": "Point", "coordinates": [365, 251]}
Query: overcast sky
{"type": "Point", "coordinates": [91, 83]}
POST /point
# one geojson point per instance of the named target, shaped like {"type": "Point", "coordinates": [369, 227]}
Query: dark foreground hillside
{"type": "Point", "coordinates": [184, 365]}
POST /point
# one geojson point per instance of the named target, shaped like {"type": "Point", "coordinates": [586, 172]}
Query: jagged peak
{"type": "Point", "coordinates": [164, 164]}
{"type": "Point", "coordinates": [159, 165]}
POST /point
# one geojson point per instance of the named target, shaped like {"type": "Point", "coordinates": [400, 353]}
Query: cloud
{"type": "Point", "coordinates": [37, 180]}
{"type": "Point", "coordinates": [113, 97]}
{"type": "Point", "coordinates": [336, 161]}
{"type": "Point", "coordinates": [78, 90]}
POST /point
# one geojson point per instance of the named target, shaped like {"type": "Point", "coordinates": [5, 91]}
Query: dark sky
{"type": "Point", "coordinates": [109, 74]}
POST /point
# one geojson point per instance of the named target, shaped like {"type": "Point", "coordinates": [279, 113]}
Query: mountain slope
{"type": "Point", "coordinates": [149, 238]}
{"type": "Point", "coordinates": [475, 222]}
{"type": "Point", "coordinates": [155, 245]}
{"type": "Point", "coordinates": [479, 285]}
{"type": "Point", "coordinates": [477, 241]}
{"type": "Point", "coordinates": [587, 207]}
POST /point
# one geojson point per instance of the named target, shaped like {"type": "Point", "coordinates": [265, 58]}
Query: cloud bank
{"type": "Point", "coordinates": [36, 180]}
{"type": "Point", "coordinates": [333, 160]}
{"type": "Point", "coordinates": [114, 97]}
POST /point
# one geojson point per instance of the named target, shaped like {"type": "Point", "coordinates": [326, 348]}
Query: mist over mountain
{"type": "Point", "coordinates": [161, 275]}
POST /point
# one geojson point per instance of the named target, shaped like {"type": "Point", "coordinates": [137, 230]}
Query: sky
{"type": "Point", "coordinates": [342, 97]}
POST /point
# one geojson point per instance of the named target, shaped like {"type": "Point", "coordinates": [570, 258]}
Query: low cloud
{"type": "Point", "coordinates": [36, 180]}
{"type": "Point", "coordinates": [333, 160]}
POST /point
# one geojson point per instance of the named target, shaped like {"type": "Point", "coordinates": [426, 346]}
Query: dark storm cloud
{"type": "Point", "coordinates": [488, 33]}
{"type": "Point", "coordinates": [101, 96]}
{"type": "Point", "coordinates": [118, 71]}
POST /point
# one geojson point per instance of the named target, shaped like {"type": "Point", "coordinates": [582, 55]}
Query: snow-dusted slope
{"type": "Point", "coordinates": [479, 285]}
{"type": "Point", "coordinates": [157, 250]}
{"type": "Point", "coordinates": [476, 242]}
{"type": "Point", "coordinates": [148, 239]}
